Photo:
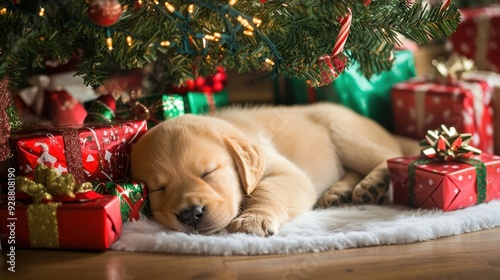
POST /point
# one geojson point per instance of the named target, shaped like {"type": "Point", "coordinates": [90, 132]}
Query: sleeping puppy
{"type": "Point", "coordinates": [252, 169]}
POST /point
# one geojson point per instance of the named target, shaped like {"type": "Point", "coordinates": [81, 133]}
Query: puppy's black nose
{"type": "Point", "coordinates": [191, 216]}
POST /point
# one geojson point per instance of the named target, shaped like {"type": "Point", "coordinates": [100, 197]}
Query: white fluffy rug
{"type": "Point", "coordinates": [319, 230]}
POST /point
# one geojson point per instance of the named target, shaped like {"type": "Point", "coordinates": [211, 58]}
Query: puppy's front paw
{"type": "Point", "coordinates": [370, 191]}
{"type": "Point", "coordinates": [254, 224]}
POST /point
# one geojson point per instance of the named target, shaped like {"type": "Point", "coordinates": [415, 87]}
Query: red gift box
{"type": "Point", "coordinates": [90, 152]}
{"type": "Point", "coordinates": [92, 225]}
{"type": "Point", "coordinates": [477, 37]}
{"type": "Point", "coordinates": [419, 106]}
{"type": "Point", "coordinates": [444, 185]}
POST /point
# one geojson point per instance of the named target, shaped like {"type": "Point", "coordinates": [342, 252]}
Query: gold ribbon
{"type": "Point", "coordinates": [453, 69]}
{"type": "Point", "coordinates": [447, 144]}
{"type": "Point", "coordinates": [42, 217]}
{"type": "Point", "coordinates": [42, 224]}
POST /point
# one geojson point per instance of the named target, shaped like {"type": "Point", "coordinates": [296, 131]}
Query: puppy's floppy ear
{"type": "Point", "coordinates": [248, 159]}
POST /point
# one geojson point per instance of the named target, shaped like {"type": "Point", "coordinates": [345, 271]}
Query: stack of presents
{"type": "Point", "coordinates": [66, 182]}
{"type": "Point", "coordinates": [453, 110]}
{"type": "Point", "coordinates": [65, 172]}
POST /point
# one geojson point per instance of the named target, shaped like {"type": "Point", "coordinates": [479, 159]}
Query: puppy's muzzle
{"type": "Point", "coordinates": [192, 215]}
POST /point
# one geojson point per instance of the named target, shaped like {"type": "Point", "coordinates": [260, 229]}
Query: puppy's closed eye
{"type": "Point", "coordinates": [208, 173]}
{"type": "Point", "coordinates": [161, 188]}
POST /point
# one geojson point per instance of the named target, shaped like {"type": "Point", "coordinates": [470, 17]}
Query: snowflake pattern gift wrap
{"type": "Point", "coordinates": [90, 152]}
{"type": "Point", "coordinates": [478, 36]}
{"type": "Point", "coordinates": [444, 185]}
{"type": "Point", "coordinates": [419, 105]}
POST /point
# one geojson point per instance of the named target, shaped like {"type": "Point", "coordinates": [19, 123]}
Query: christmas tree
{"type": "Point", "coordinates": [310, 39]}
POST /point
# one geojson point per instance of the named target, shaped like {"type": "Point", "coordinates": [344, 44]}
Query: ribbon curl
{"type": "Point", "coordinates": [446, 144]}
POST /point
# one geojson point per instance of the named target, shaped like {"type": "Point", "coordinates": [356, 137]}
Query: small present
{"type": "Point", "coordinates": [493, 80]}
{"type": "Point", "coordinates": [425, 103]}
{"type": "Point", "coordinates": [89, 152]}
{"type": "Point", "coordinates": [132, 195]}
{"type": "Point", "coordinates": [477, 36]}
{"type": "Point", "coordinates": [369, 97]}
{"type": "Point", "coordinates": [54, 212]}
{"type": "Point", "coordinates": [200, 103]}
{"type": "Point", "coordinates": [154, 108]}
{"type": "Point", "coordinates": [447, 176]}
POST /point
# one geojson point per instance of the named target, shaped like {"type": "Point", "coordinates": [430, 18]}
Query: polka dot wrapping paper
{"type": "Point", "coordinates": [445, 185]}
{"type": "Point", "coordinates": [478, 37]}
{"type": "Point", "coordinates": [421, 104]}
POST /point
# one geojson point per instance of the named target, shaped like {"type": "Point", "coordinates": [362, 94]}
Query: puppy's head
{"type": "Point", "coordinates": [197, 170]}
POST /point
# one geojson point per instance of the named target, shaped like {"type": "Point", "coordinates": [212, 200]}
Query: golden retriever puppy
{"type": "Point", "coordinates": [252, 169]}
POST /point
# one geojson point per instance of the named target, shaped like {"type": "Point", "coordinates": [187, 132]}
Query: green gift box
{"type": "Point", "coordinates": [133, 197]}
{"type": "Point", "coordinates": [200, 103]}
{"type": "Point", "coordinates": [155, 108]}
{"type": "Point", "coordinates": [369, 97]}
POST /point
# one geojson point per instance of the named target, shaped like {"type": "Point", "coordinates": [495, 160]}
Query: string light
{"type": "Point", "coordinates": [191, 8]}
{"type": "Point", "coordinates": [129, 40]}
{"type": "Point", "coordinates": [245, 23]}
{"type": "Point", "coordinates": [209, 37]}
{"type": "Point", "coordinates": [232, 2]}
{"type": "Point", "coordinates": [109, 42]}
{"type": "Point", "coordinates": [169, 7]}
{"type": "Point", "coordinates": [3, 11]}
{"type": "Point", "coordinates": [269, 61]}
{"type": "Point", "coordinates": [41, 12]}
{"type": "Point", "coordinates": [257, 21]}
{"type": "Point", "coordinates": [165, 43]}
{"type": "Point", "coordinates": [248, 32]}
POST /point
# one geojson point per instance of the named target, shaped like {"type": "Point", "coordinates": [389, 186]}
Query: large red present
{"type": "Point", "coordinates": [477, 36]}
{"type": "Point", "coordinates": [420, 105]}
{"type": "Point", "coordinates": [445, 185]}
{"type": "Point", "coordinates": [90, 152]}
{"type": "Point", "coordinates": [91, 225]}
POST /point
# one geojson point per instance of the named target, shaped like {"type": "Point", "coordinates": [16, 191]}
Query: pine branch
{"type": "Point", "coordinates": [292, 35]}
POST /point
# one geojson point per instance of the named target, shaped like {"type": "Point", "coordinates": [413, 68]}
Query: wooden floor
{"type": "Point", "coordinates": [468, 256]}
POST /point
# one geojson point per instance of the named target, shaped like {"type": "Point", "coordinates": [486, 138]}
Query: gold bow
{"type": "Point", "coordinates": [453, 69]}
{"type": "Point", "coordinates": [447, 144]}
{"type": "Point", "coordinates": [47, 182]}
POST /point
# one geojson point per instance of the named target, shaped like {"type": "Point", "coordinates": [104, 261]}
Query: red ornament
{"type": "Point", "coordinates": [104, 12]}
{"type": "Point", "coordinates": [367, 2]}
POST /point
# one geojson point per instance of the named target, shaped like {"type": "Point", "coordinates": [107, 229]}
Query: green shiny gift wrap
{"type": "Point", "coordinates": [369, 97]}
{"type": "Point", "coordinates": [155, 108]}
{"type": "Point", "coordinates": [133, 197]}
{"type": "Point", "coordinates": [200, 103]}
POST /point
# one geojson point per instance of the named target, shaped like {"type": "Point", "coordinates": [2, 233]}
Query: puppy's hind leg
{"type": "Point", "coordinates": [340, 192]}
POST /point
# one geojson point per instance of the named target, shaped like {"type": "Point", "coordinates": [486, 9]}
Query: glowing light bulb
{"type": "Point", "coordinates": [109, 42]}
{"type": "Point", "coordinates": [248, 32]}
{"type": "Point", "coordinates": [41, 12]}
{"type": "Point", "coordinates": [191, 8]}
{"type": "Point", "coordinates": [232, 2]}
{"type": "Point", "coordinates": [129, 41]}
{"type": "Point", "coordinates": [3, 11]}
{"type": "Point", "coordinates": [257, 21]}
{"type": "Point", "coordinates": [165, 43]}
{"type": "Point", "coordinates": [169, 7]}
{"type": "Point", "coordinates": [269, 61]}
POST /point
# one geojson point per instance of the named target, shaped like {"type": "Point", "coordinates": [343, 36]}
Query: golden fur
{"type": "Point", "coordinates": [252, 169]}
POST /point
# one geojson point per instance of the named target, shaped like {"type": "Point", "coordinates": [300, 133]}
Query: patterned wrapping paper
{"type": "Point", "coordinates": [90, 152]}
{"type": "Point", "coordinates": [444, 185]}
{"type": "Point", "coordinates": [155, 108]}
{"type": "Point", "coordinates": [91, 225]}
{"type": "Point", "coordinates": [493, 80]}
{"type": "Point", "coordinates": [420, 105]}
{"type": "Point", "coordinates": [200, 103]}
{"type": "Point", "coordinates": [132, 195]}
{"type": "Point", "coordinates": [478, 37]}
